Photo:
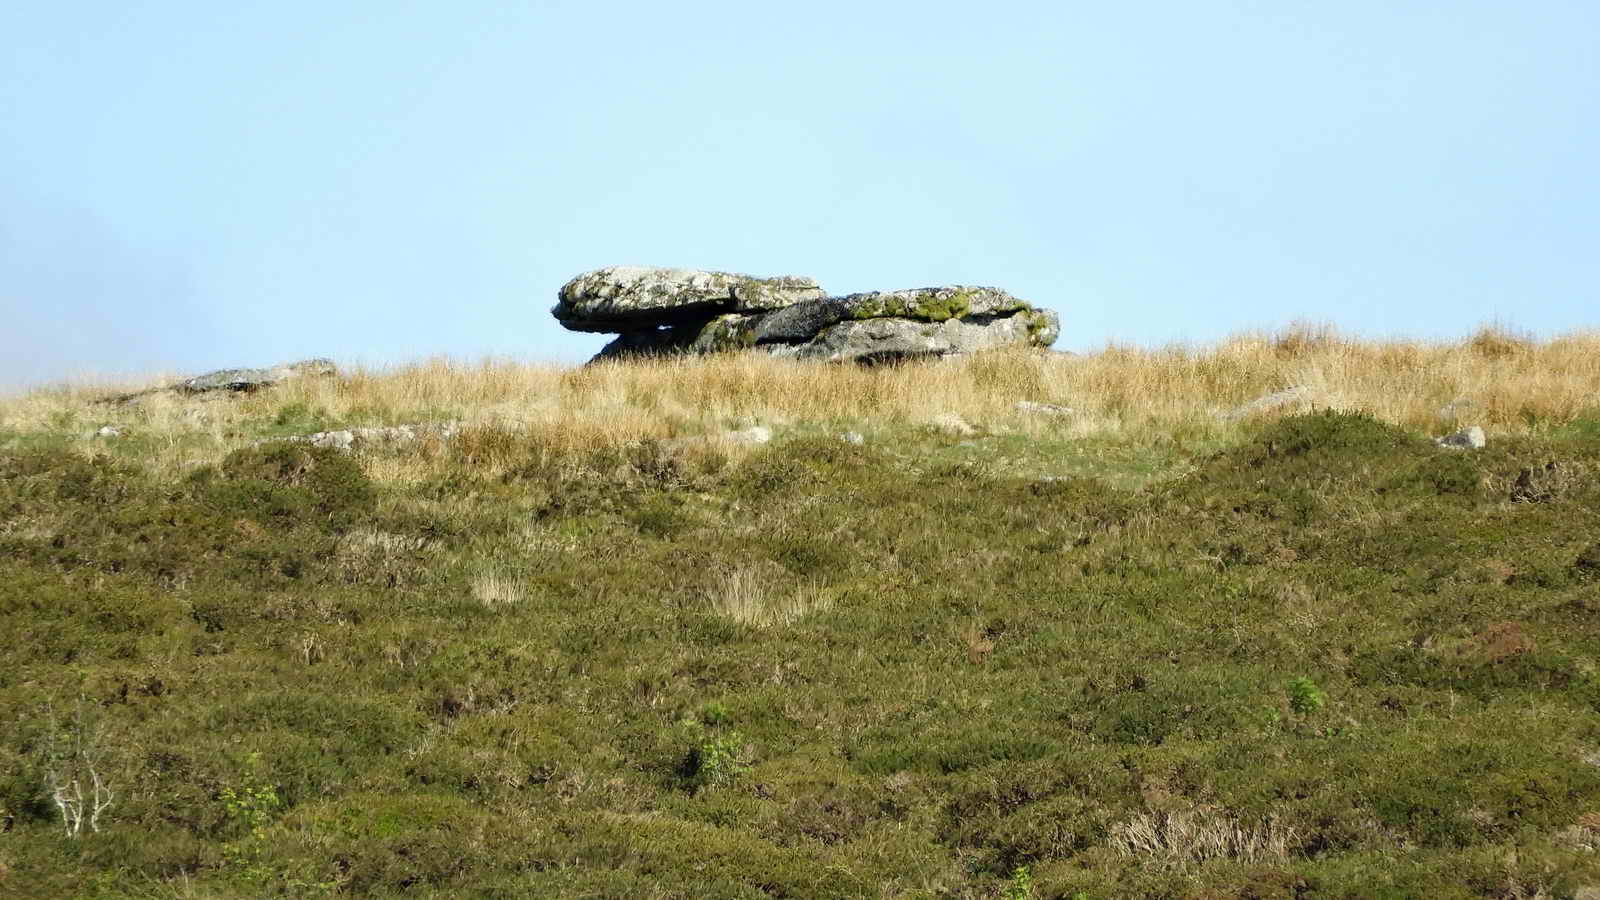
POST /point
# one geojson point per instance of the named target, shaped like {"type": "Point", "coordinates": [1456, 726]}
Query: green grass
{"type": "Point", "coordinates": [1330, 661]}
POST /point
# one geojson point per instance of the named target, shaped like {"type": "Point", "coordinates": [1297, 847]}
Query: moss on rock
{"type": "Point", "coordinates": [725, 333]}
{"type": "Point", "coordinates": [938, 304]}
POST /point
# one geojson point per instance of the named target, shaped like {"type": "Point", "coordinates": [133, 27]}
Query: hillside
{"type": "Point", "coordinates": [584, 633]}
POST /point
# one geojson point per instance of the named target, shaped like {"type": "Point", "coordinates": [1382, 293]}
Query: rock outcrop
{"type": "Point", "coordinates": [255, 379]}
{"type": "Point", "coordinates": [237, 380]}
{"type": "Point", "coordinates": [658, 312]}
{"type": "Point", "coordinates": [357, 438]}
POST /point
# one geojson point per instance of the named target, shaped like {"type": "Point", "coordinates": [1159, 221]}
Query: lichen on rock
{"type": "Point", "coordinates": [634, 299]}
{"type": "Point", "coordinates": [932, 304]}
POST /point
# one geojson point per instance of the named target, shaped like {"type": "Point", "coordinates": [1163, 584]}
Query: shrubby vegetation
{"type": "Point", "coordinates": [1311, 656]}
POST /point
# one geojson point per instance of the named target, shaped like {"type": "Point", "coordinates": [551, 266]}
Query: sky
{"type": "Point", "coordinates": [193, 185]}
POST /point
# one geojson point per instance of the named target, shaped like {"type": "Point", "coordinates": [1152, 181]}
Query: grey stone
{"type": "Point", "coordinates": [977, 305]}
{"type": "Point", "coordinates": [632, 299]}
{"type": "Point", "coordinates": [108, 431]}
{"type": "Point", "coordinates": [255, 379]}
{"type": "Point", "coordinates": [1470, 438]}
{"type": "Point", "coordinates": [238, 380]}
{"type": "Point", "coordinates": [356, 438]}
{"type": "Point", "coordinates": [730, 331]}
{"type": "Point", "coordinates": [755, 434]}
{"type": "Point", "coordinates": [762, 294]}
{"type": "Point", "coordinates": [726, 332]}
{"type": "Point", "coordinates": [1268, 402]}
{"type": "Point", "coordinates": [797, 323]}
{"type": "Point", "coordinates": [1047, 409]}
{"type": "Point", "coordinates": [643, 344]}
{"type": "Point", "coordinates": [853, 437]}
{"type": "Point", "coordinates": [891, 339]}
{"type": "Point", "coordinates": [338, 440]}
{"type": "Point", "coordinates": [952, 423]}
{"type": "Point", "coordinates": [932, 304]}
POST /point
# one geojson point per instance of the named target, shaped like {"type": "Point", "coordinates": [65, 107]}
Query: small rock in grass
{"type": "Point", "coordinates": [951, 423]}
{"type": "Point", "coordinates": [109, 431]}
{"type": "Point", "coordinates": [1471, 438]}
{"type": "Point", "coordinates": [338, 440]}
{"type": "Point", "coordinates": [1268, 402]}
{"type": "Point", "coordinates": [853, 437]}
{"type": "Point", "coordinates": [1048, 409]}
{"type": "Point", "coordinates": [755, 434]}
{"type": "Point", "coordinates": [351, 438]}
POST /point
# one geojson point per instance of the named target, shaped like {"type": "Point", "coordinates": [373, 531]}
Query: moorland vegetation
{"type": "Point", "coordinates": [587, 645]}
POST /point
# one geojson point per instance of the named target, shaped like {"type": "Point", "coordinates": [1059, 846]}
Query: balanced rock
{"type": "Point", "coordinates": [631, 299]}
{"type": "Point", "coordinates": [667, 312]}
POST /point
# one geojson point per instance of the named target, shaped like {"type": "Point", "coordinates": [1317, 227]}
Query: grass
{"type": "Point", "coordinates": [589, 647]}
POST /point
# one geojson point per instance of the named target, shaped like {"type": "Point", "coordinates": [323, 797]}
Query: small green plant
{"type": "Point", "coordinates": [1021, 885]}
{"type": "Point", "coordinates": [253, 804]}
{"type": "Point", "coordinates": [717, 760]}
{"type": "Point", "coordinates": [1305, 697]}
{"type": "Point", "coordinates": [1271, 717]}
{"type": "Point", "coordinates": [715, 713]}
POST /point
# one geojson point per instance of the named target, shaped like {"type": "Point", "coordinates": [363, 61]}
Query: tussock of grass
{"type": "Point", "coordinates": [495, 589]}
{"type": "Point", "coordinates": [1183, 838]}
{"type": "Point", "coordinates": [750, 597]}
{"type": "Point", "coordinates": [586, 647]}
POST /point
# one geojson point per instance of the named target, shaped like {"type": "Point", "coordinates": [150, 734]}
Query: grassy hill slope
{"type": "Point", "coordinates": [588, 647]}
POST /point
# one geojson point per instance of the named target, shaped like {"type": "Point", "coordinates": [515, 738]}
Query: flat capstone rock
{"type": "Point", "coordinates": [624, 299]}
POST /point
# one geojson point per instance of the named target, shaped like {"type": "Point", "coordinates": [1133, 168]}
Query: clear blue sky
{"type": "Point", "coordinates": [188, 185]}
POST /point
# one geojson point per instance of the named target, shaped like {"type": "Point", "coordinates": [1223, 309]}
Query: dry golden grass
{"type": "Point", "coordinates": [758, 599]}
{"type": "Point", "coordinates": [1185, 837]}
{"type": "Point", "coordinates": [494, 589]}
{"type": "Point", "coordinates": [1495, 378]}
